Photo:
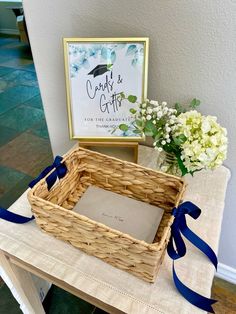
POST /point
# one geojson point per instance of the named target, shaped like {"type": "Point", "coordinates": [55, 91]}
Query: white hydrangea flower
{"type": "Point", "coordinates": [206, 142]}
{"type": "Point", "coordinates": [149, 117]}
{"type": "Point", "coordinates": [205, 126]}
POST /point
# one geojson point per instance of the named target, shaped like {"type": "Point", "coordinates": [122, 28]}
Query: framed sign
{"type": "Point", "coordinates": [98, 71]}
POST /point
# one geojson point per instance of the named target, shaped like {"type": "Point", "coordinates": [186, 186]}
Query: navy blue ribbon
{"type": "Point", "coordinates": [12, 217]}
{"type": "Point", "coordinates": [179, 227]}
{"type": "Point", "coordinates": [59, 172]}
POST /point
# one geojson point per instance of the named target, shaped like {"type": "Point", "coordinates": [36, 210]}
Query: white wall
{"type": "Point", "coordinates": [192, 54]}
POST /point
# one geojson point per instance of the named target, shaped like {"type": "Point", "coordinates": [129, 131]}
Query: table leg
{"type": "Point", "coordinates": [22, 286]}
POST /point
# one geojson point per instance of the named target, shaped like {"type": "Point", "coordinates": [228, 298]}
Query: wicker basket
{"type": "Point", "coordinates": [54, 209]}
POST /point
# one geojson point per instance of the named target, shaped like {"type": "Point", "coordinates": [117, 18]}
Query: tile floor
{"type": "Point", "coordinates": [25, 150]}
{"type": "Point", "coordinates": [24, 143]}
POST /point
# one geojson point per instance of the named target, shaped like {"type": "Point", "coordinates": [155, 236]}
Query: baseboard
{"type": "Point", "coordinates": [9, 31]}
{"type": "Point", "coordinates": [226, 272]}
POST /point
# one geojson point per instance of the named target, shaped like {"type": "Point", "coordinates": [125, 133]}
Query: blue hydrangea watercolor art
{"type": "Point", "coordinates": [81, 55]}
{"type": "Point", "coordinates": [98, 72]}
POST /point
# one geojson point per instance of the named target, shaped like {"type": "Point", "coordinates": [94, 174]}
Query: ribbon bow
{"type": "Point", "coordinates": [59, 172]}
{"type": "Point", "coordinates": [179, 227]}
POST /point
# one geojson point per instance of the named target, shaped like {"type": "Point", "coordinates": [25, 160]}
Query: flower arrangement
{"type": "Point", "coordinates": [190, 140]}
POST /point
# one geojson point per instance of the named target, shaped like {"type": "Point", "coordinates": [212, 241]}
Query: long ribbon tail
{"type": "Point", "coordinates": [176, 238]}
{"type": "Point", "coordinates": [179, 227]}
{"type": "Point", "coordinates": [192, 296]}
{"type": "Point", "coordinates": [12, 217]}
{"type": "Point", "coordinates": [200, 244]}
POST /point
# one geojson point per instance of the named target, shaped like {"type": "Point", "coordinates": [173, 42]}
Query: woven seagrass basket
{"type": "Point", "coordinates": [54, 209]}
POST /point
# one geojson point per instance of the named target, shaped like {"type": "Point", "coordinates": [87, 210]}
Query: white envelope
{"type": "Point", "coordinates": [136, 218]}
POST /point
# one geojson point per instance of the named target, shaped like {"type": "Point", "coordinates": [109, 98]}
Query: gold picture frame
{"type": "Point", "coordinates": [73, 46]}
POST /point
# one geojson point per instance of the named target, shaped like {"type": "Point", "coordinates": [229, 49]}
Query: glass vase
{"type": "Point", "coordinates": [167, 162]}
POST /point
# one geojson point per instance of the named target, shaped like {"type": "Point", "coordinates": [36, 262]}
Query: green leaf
{"type": "Point", "coordinates": [137, 131]}
{"type": "Point", "coordinates": [133, 111]}
{"type": "Point", "coordinates": [160, 123]}
{"type": "Point", "coordinates": [150, 126]}
{"type": "Point", "coordinates": [123, 127]}
{"type": "Point", "coordinates": [132, 99]}
{"type": "Point", "coordinates": [139, 123]}
{"type": "Point", "coordinates": [179, 140]}
{"type": "Point", "coordinates": [177, 106]}
{"type": "Point", "coordinates": [169, 148]}
{"type": "Point", "coordinates": [182, 138]}
{"type": "Point", "coordinates": [182, 167]}
{"type": "Point", "coordinates": [195, 103]}
{"type": "Point", "coordinates": [109, 66]}
{"type": "Point", "coordinates": [172, 148]}
{"type": "Point", "coordinates": [150, 129]}
{"type": "Point", "coordinates": [122, 95]}
{"type": "Point", "coordinates": [180, 109]}
{"type": "Point", "coordinates": [157, 136]}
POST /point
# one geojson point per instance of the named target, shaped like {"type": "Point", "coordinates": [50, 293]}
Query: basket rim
{"type": "Point", "coordinates": [77, 149]}
{"type": "Point", "coordinates": [122, 161]}
{"type": "Point", "coordinates": [150, 246]}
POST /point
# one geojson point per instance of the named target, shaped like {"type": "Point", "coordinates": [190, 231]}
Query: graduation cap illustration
{"type": "Point", "coordinates": [100, 69]}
